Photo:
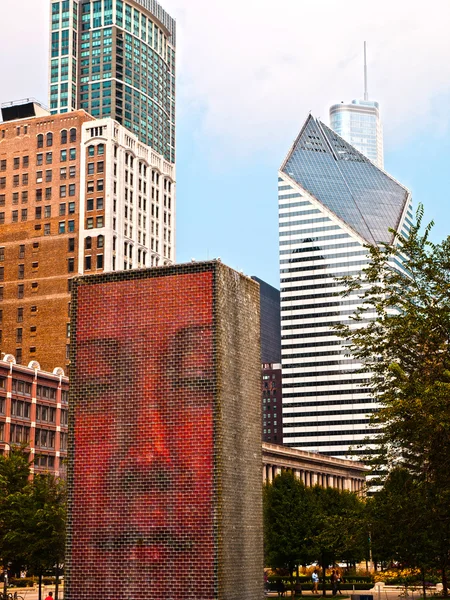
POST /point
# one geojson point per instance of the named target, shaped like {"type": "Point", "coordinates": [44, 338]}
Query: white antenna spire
{"type": "Point", "coordinates": [366, 93]}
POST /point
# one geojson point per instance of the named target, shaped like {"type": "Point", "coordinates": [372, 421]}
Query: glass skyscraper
{"type": "Point", "coordinates": [359, 124]}
{"type": "Point", "coordinates": [116, 59]}
{"type": "Point", "coordinates": [332, 202]}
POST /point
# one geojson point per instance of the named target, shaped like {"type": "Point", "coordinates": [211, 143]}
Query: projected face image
{"type": "Point", "coordinates": [143, 468]}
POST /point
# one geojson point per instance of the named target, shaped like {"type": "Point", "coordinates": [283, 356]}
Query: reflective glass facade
{"type": "Point", "coordinates": [346, 182]}
{"type": "Point", "coordinates": [359, 124]}
{"type": "Point", "coordinates": [116, 59]}
{"type": "Point", "coordinates": [332, 202]}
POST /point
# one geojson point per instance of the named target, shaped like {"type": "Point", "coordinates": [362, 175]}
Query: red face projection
{"type": "Point", "coordinates": [142, 520]}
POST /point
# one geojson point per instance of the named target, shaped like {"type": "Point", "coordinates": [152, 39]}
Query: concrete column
{"type": "Point", "coordinates": [278, 470]}
{"type": "Point", "coordinates": [270, 473]}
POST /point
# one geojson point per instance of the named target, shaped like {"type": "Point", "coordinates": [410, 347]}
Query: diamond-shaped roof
{"type": "Point", "coordinates": [346, 182]}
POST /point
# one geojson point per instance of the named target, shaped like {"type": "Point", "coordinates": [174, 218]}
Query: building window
{"type": "Point", "coordinates": [72, 154]}
{"type": "Point", "coordinates": [48, 158]}
{"type": "Point", "coordinates": [63, 173]}
{"type": "Point", "coordinates": [73, 135]}
{"type": "Point", "coordinates": [72, 189]}
{"type": "Point", "coordinates": [15, 216]}
{"type": "Point", "coordinates": [2, 254]}
{"type": "Point", "coordinates": [99, 222]}
{"type": "Point", "coordinates": [38, 212]}
{"type": "Point", "coordinates": [62, 209]}
{"type": "Point", "coordinates": [64, 136]}
{"type": "Point", "coordinates": [71, 245]}
{"type": "Point", "coordinates": [71, 208]}
{"type": "Point", "coordinates": [88, 243]}
{"type": "Point", "coordinates": [40, 141]}
{"type": "Point", "coordinates": [99, 185]}
{"type": "Point", "coordinates": [49, 139]}
{"type": "Point", "coordinates": [63, 156]}
{"type": "Point", "coordinates": [47, 229]}
{"type": "Point", "coordinates": [99, 261]}
{"type": "Point", "coordinates": [90, 223]}
{"type": "Point", "coordinates": [20, 315]}
{"type": "Point", "coordinates": [39, 195]}
{"type": "Point", "coordinates": [20, 271]}
{"type": "Point", "coordinates": [20, 290]}
{"type": "Point", "coordinates": [62, 191]}
{"type": "Point", "coordinates": [100, 241]}
{"type": "Point", "coordinates": [71, 226]}
{"type": "Point", "coordinates": [88, 263]}
{"type": "Point", "coordinates": [48, 211]}
{"type": "Point", "coordinates": [16, 163]}
{"type": "Point", "coordinates": [62, 227]}
{"type": "Point", "coordinates": [70, 265]}
{"type": "Point", "coordinates": [19, 335]}
{"type": "Point", "coordinates": [24, 214]}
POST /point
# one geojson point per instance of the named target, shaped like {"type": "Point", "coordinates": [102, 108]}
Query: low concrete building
{"type": "Point", "coordinates": [313, 468]}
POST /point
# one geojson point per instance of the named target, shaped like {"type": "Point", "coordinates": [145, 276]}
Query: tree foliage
{"type": "Point", "coordinates": [32, 515]}
{"type": "Point", "coordinates": [401, 334]}
{"type": "Point", "coordinates": [304, 525]}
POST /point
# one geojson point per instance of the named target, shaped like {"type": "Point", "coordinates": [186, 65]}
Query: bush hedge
{"type": "Point", "coordinates": [360, 583]}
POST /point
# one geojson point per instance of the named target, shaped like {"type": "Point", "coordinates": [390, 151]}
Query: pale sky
{"type": "Point", "coordinates": [248, 74]}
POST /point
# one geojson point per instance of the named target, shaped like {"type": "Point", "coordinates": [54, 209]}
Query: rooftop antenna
{"type": "Point", "coordinates": [366, 93]}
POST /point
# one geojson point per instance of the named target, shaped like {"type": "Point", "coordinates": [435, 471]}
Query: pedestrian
{"type": "Point", "coordinates": [315, 580]}
{"type": "Point", "coordinates": [333, 579]}
{"type": "Point", "coordinates": [298, 589]}
{"type": "Point", "coordinates": [338, 582]}
{"type": "Point", "coordinates": [50, 596]}
{"type": "Point", "coordinates": [281, 588]}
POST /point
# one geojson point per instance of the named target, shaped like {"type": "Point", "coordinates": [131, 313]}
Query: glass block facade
{"type": "Point", "coordinates": [116, 59]}
{"type": "Point", "coordinates": [359, 124]}
{"type": "Point", "coordinates": [332, 202]}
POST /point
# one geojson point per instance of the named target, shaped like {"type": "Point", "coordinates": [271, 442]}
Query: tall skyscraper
{"type": "Point", "coordinates": [332, 202]}
{"type": "Point", "coordinates": [359, 123]}
{"type": "Point", "coordinates": [116, 59]}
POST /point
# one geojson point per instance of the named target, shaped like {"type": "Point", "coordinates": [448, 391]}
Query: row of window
{"type": "Point", "coordinates": [70, 136]}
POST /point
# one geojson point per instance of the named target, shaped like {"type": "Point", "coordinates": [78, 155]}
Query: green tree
{"type": "Point", "coordinates": [32, 515]}
{"type": "Point", "coordinates": [405, 347]}
{"type": "Point", "coordinates": [14, 474]}
{"type": "Point", "coordinates": [287, 523]}
{"type": "Point", "coordinates": [339, 528]}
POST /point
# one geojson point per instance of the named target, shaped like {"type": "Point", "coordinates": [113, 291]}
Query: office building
{"type": "Point", "coordinates": [34, 411]}
{"type": "Point", "coordinates": [272, 403]}
{"type": "Point", "coordinates": [359, 123]}
{"type": "Point", "coordinates": [270, 322]}
{"type": "Point", "coordinates": [77, 195]}
{"type": "Point", "coordinates": [272, 407]}
{"type": "Point", "coordinates": [116, 58]}
{"type": "Point", "coordinates": [332, 202]}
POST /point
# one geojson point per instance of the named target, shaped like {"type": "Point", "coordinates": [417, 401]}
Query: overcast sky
{"type": "Point", "coordinates": [248, 74]}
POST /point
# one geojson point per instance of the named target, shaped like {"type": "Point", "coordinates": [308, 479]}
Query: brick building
{"type": "Point", "coordinates": [165, 463]}
{"type": "Point", "coordinates": [272, 404]}
{"type": "Point", "coordinates": [76, 195]}
{"type": "Point", "coordinates": [34, 410]}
